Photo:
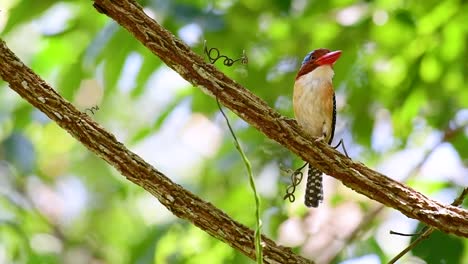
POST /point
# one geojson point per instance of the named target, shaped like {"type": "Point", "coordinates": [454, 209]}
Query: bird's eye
{"type": "Point", "coordinates": [308, 58]}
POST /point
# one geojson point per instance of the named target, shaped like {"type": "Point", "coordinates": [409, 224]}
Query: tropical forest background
{"type": "Point", "coordinates": [402, 99]}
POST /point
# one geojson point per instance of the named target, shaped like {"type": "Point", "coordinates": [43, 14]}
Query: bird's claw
{"type": "Point", "coordinates": [321, 138]}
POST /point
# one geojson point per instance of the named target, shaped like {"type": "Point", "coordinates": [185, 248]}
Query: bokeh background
{"type": "Point", "coordinates": [402, 95]}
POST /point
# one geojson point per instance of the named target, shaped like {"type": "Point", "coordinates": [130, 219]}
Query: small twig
{"type": "Point", "coordinates": [258, 235]}
{"type": "Point", "coordinates": [423, 236]}
{"type": "Point", "coordinates": [258, 238]}
{"type": "Point", "coordinates": [403, 234]}
{"type": "Point", "coordinates": [461, 197]}
{"type": "Point", "coordinates": [427, 231]}
{"type": "Point", "coordinates": [449, 133]}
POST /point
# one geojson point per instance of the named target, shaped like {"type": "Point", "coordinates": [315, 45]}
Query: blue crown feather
{"type": "Point", "coordinates": [306, 58]}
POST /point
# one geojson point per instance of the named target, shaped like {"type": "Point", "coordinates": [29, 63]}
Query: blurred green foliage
{"type": "Point", "coordinates": [404, 65]}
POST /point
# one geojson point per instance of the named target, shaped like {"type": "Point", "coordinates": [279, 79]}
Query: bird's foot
{"type": "Point", "coordinates": [321, 138]}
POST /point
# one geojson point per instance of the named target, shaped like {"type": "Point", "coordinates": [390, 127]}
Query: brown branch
{"type": "Point", "coordinates": [376, 210]}
{"type": "Point", "coordinates": [249, 107]}
{"type": "Point", "coordinates": [179, 201]}
{"type": "Point", "coordinates": [427, 231]}
{"type": "Point", "coordinates": [183, 203]}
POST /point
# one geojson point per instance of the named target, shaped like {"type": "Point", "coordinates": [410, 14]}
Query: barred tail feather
{"type": "Point", "coordinates": [314, 190]}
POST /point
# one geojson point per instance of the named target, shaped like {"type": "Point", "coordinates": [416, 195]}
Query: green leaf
{"type": "Point", "coordinates": [24, 11]}
{"type": "Point", "coordinates": [440, 248]}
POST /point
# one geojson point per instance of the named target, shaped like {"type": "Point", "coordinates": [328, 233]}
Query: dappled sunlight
{"type": "Point", "coordinates": [401, 95]}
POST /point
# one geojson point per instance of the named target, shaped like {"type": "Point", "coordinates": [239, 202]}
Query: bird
{"type": "Point", "coordinates": [314, 106]}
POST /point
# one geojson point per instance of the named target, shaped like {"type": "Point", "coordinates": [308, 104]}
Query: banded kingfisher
{"type": "Point", "coordinates": [315, 109]}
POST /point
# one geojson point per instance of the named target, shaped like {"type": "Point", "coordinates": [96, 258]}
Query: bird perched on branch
{"type": "Point", "coordinates": [315, 109]}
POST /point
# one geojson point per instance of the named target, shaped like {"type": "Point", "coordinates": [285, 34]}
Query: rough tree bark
{"type": "Point", "coordinates": [178, 200]}
{"type": "Point", "coordinates": [252, 109]}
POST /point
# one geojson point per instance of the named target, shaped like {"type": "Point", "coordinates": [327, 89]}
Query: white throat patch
{"type": "Point", "coordinates": [320, 74]}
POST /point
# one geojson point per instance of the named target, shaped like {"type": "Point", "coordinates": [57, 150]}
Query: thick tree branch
{"type": "Point", "coordinates": [427, 231]}
{"type": "Point", "coordinates": [249, 107]}
{"type": "Point", "coordinates": [179, 201]}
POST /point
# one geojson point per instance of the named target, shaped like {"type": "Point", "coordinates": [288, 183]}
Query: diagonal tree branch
{"type": "Point", "coordinates": [427, 231]}
{"type": "Point", "coordinates": [183, 203]}
{"type": "Point", "coordinates": [449, 133]}
{"type": "Point", "coordinates": [179, 201]}
{"type": "Point", "coordinates": [249, 107]}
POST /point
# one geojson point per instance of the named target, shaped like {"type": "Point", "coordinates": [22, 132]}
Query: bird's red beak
{"type": "Point", "coordinates": [329, 58]}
